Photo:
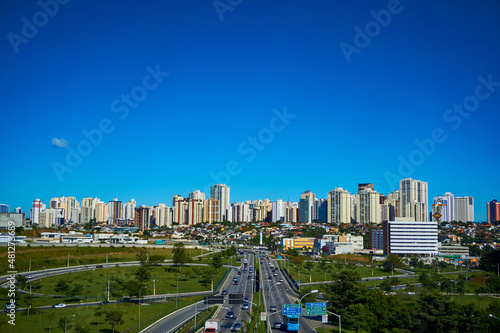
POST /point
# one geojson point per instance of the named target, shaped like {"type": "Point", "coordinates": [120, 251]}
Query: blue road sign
{"type": "Point", "coordinates": [322, 304]}
{"type": "Point", "coordinates": [292, 310]}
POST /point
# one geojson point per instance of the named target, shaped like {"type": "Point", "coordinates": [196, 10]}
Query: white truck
{"type": "Point", "coordinates": [212, 326]}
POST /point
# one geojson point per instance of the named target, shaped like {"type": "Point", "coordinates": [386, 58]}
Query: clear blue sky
{"type": "Point", "coordinates": [352, 120]}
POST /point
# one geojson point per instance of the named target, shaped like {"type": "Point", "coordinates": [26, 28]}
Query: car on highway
{"type": "Point", "coordinates": [245, 306]}
{"type": "Point", "coordinates": [249, 277]}
{"type": "Point", "coordinates": [272, 308]}
{"type": "Point", "coordinates": [59, 305]}
{"type": "Point", "coordinates": [275, 274]}
{"type": "Point", "coordinates": [124, 299]}
{"type": "Point", "coordinates": [235, 282]}
{"type": "Point", "coordinates": [239, 272]}
{"type": "Point", "coordinates": [224, 292]}
{"type": "Point", "coordinates": [277, 325]}
{"type": "Point", "coordinates": [29, 276]}
{"type": "Point", "coordinates": [104, 302]}
{"type": "Point", "coordinates": [281, 280]}
{"type": "Point", "coordinates": [230, 314]}
{"type": "Point", "coordinates": [246, 299]}
{"type": "Point", "coordinates": [99, 266]}
{"type": "Point", "coordinates": [236, 327]}
{"type": "Point", "coordinates": [270, 278]}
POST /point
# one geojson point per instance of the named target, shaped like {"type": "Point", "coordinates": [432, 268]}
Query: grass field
{"type": "Point", "coordinates": [51, 257]}
{"type": "Point", "coordinates": [95, 283]}
{"type": "Point", "coordinates": [48, 320]}
{"type": "Point", "coordinates": [318, 275]}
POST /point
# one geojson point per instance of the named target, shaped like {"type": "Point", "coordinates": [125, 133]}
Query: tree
{"type": "Point", "coordinates": [216, 262]}
{"type": "Point", "coordinates": [98, 313]}
{"type": "Point", "coordinates": [143, 257]}
{"type": "Point", "coordinates": [114, 318]}
{"type": "Point", "coordinates": [75, 290]}
{"type": "Point", "coordinates": [62, 287]}
{"type": "Point", "coordinates": [142, 274]}
{"type": "Point", "coordinates": [392, 261]}
{"type": "Point", "coordinates": [156, 259]}
{"type": "Point", "coordinates": [79, 328]}
{"type": "Point", "coordinates": [21, 281]}
{"type": "Point", "coordinates": [386, 285]}
{"type": "Point", "coordinates": [133, 287]}
{"type": "Point", "coordinates": [29, 300]}
{"type": "Point", "coordinates": [309, 265]}
{"type": "Point", "coordinates": [179, 255]}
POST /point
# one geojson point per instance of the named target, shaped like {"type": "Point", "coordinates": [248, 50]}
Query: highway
{"type": "Point", "coordinates": [278, 294]}
{"type": "Point", "coordinates": [245, 287]}
{"type": "Point", "coordinates": [173, 321]}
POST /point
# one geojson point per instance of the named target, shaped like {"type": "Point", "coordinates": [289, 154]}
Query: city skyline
{"type": "Point", "coordinates": [375, 207]}
{"type": "Point", "coordinates": [159, 98]}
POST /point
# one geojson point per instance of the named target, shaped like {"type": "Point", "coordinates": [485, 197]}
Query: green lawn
{"type": "Point", "coordinates": [95, 282]}
{"type": "Point", "coordinates": [318, 275]}
{"type": "Point", "coordinates": [52, 257]}
{"type": "Point", "coordinates": [85, 317]}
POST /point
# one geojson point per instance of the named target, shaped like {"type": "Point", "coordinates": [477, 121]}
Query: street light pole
{"type": "Point", "coordinates": [140, 306]}
{"type": "Point", "coordinates": [340, 321]}
{"type": "Point", "coordinates": [300, 301]}
{"type": "Point", "coordinates": [66, 323]}
{"type": "Point", "coordinates": [177, 293]}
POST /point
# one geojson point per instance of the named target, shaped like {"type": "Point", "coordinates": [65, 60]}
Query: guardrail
{"type": "Point", "coordinates": [199, 325]}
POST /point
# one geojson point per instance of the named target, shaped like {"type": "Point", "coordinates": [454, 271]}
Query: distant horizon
{"type": "Point", "coordinates": [169, 201]}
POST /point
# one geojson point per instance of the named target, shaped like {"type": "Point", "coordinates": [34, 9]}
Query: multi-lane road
{"type": "Point", "coordinates": [277, 292]}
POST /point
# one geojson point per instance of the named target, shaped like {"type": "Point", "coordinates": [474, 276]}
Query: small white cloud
{"type": "Point", "coordinates": [59, 143]}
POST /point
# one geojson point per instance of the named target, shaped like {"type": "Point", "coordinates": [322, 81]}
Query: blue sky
{"type": "Point", "coordinates": [350, 119]}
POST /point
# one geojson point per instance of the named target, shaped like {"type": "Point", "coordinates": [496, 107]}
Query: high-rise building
{"type": "Point", "coordinates": [321, 210]}
{"type": "Point", "coordinates": [70, 204]}
{"type": "Point", "coordinates": [354, 217]}
{"type": "Point", "coordinates": [222, 193]}
{"type": "Point", "coordinates": [278, 211]}
{"type": "Point", "coordinates": [493, 211]}
{"type": "Point", "coordinates": [368, 206]}
{"type": "Point", "coordinates": [364, 186]}
{"type": "Point", "coordinates": [101, 211]}
{"type": "Point", "coordinates": [240, 212]}
{"type": "Point", "coordinates": [309, 195]}
{"type": "Point", "coordinates": [18, 210]}
{"type": "Point", "coordinates": [448, 210]}
{"type": "Point", "coordinates": [413, 199]}
{"type": "Point", "coordinates": [55, 202]}
{"type": "Point", "coordinates": [407, 237]}
{"type": "Point", "coordinates": [51, 217]}
{"type": "Point", "coordinates": [211, 211]}
{"type": "Point", "coordinates": [143, 217]}
{"type": "Point", "coordinates": [197, 195]}
{"type": "Point", "coordinates": [114, 211]}
{"type": "Point", "coordinates": [162, 216]}
{"type": "Point", "coordinates": [464, 209]}
{"type": "Point", "coordinates": [377, 239]}
{"type": "Point", "coordinates": [128, 210]}
{"type": "Point", "coordinates": [339, 206]}
{"type": "Point", "coordinates": [305, 210]}
{"type": "Point", "coordinates": [87, 209]}
{"type": "Point", "coordinates": [291, 212]}
{"type": "Point", "coordinates": [195, 211]}
{"type": "Point", "coordinates": [36, 209]}
{"type": "Point", "coordinates": [4, 208]}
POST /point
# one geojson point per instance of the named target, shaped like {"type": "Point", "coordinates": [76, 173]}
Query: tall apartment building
{"type": "Point", "coordinates": [364, 186]}
{"type": "Point", "coordinates": [278, 211]}
{"type": "Point", "coordinates": [187, 211]}
{"type": "Point", "coordinates": [240, 212]}
{"type": "Point", "coordinates": [4, 208]}
{"type": "Point", "coordinates": [51, 217]}
{"type": "Point", "coordinates": [211, 211]}
{"type": "Point", "coordinates": [447, 211]}
{"type": "Point", "coordinates": [377, 238]}
{"type": "Point", "coordinates": [128, 210]}
{"type": "Point", "coordinates": [36, 209]}
{"type": "Point", "coordinates": [464, 209]}
{"type": "Point", "coordinates": [291, 212]}
{"type": "Point", "coordinates": [197, 195]}
{"type": "Point", "coordinates": [407, 237]}
{"type": "Point", "coordinates": [143, 217]}
{"type": "Point", "coordinates": [114, 211]}
{"type": "Point", "coordinates": [354, 217]}
{"type": "Point", "coordinates": [414, 199]}
{"type": "Point", "coordinates": [87, 210]}
{"type": "Point", "coordinates": [162, 215]}
{"type": "Point", "coordinates": [368, 206]}
{"type": "Point", "coordinates": [222, 193]}
{"type": "Point", "coordinates": [493, 211]}
{"type": "Point", "coordinates": [339, 206]}
{"type": "Point", "coordinates": [101, 212]}
{"type": "Point", "coordinates": [309, 195]}
{"type": "Point", "coordinates": [70, 204]}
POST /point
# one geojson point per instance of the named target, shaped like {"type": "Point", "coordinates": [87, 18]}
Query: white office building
{"type": "Point", "coordinates": [464, 209]}
{"type": "Point", "coordinates": [407, 237]}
